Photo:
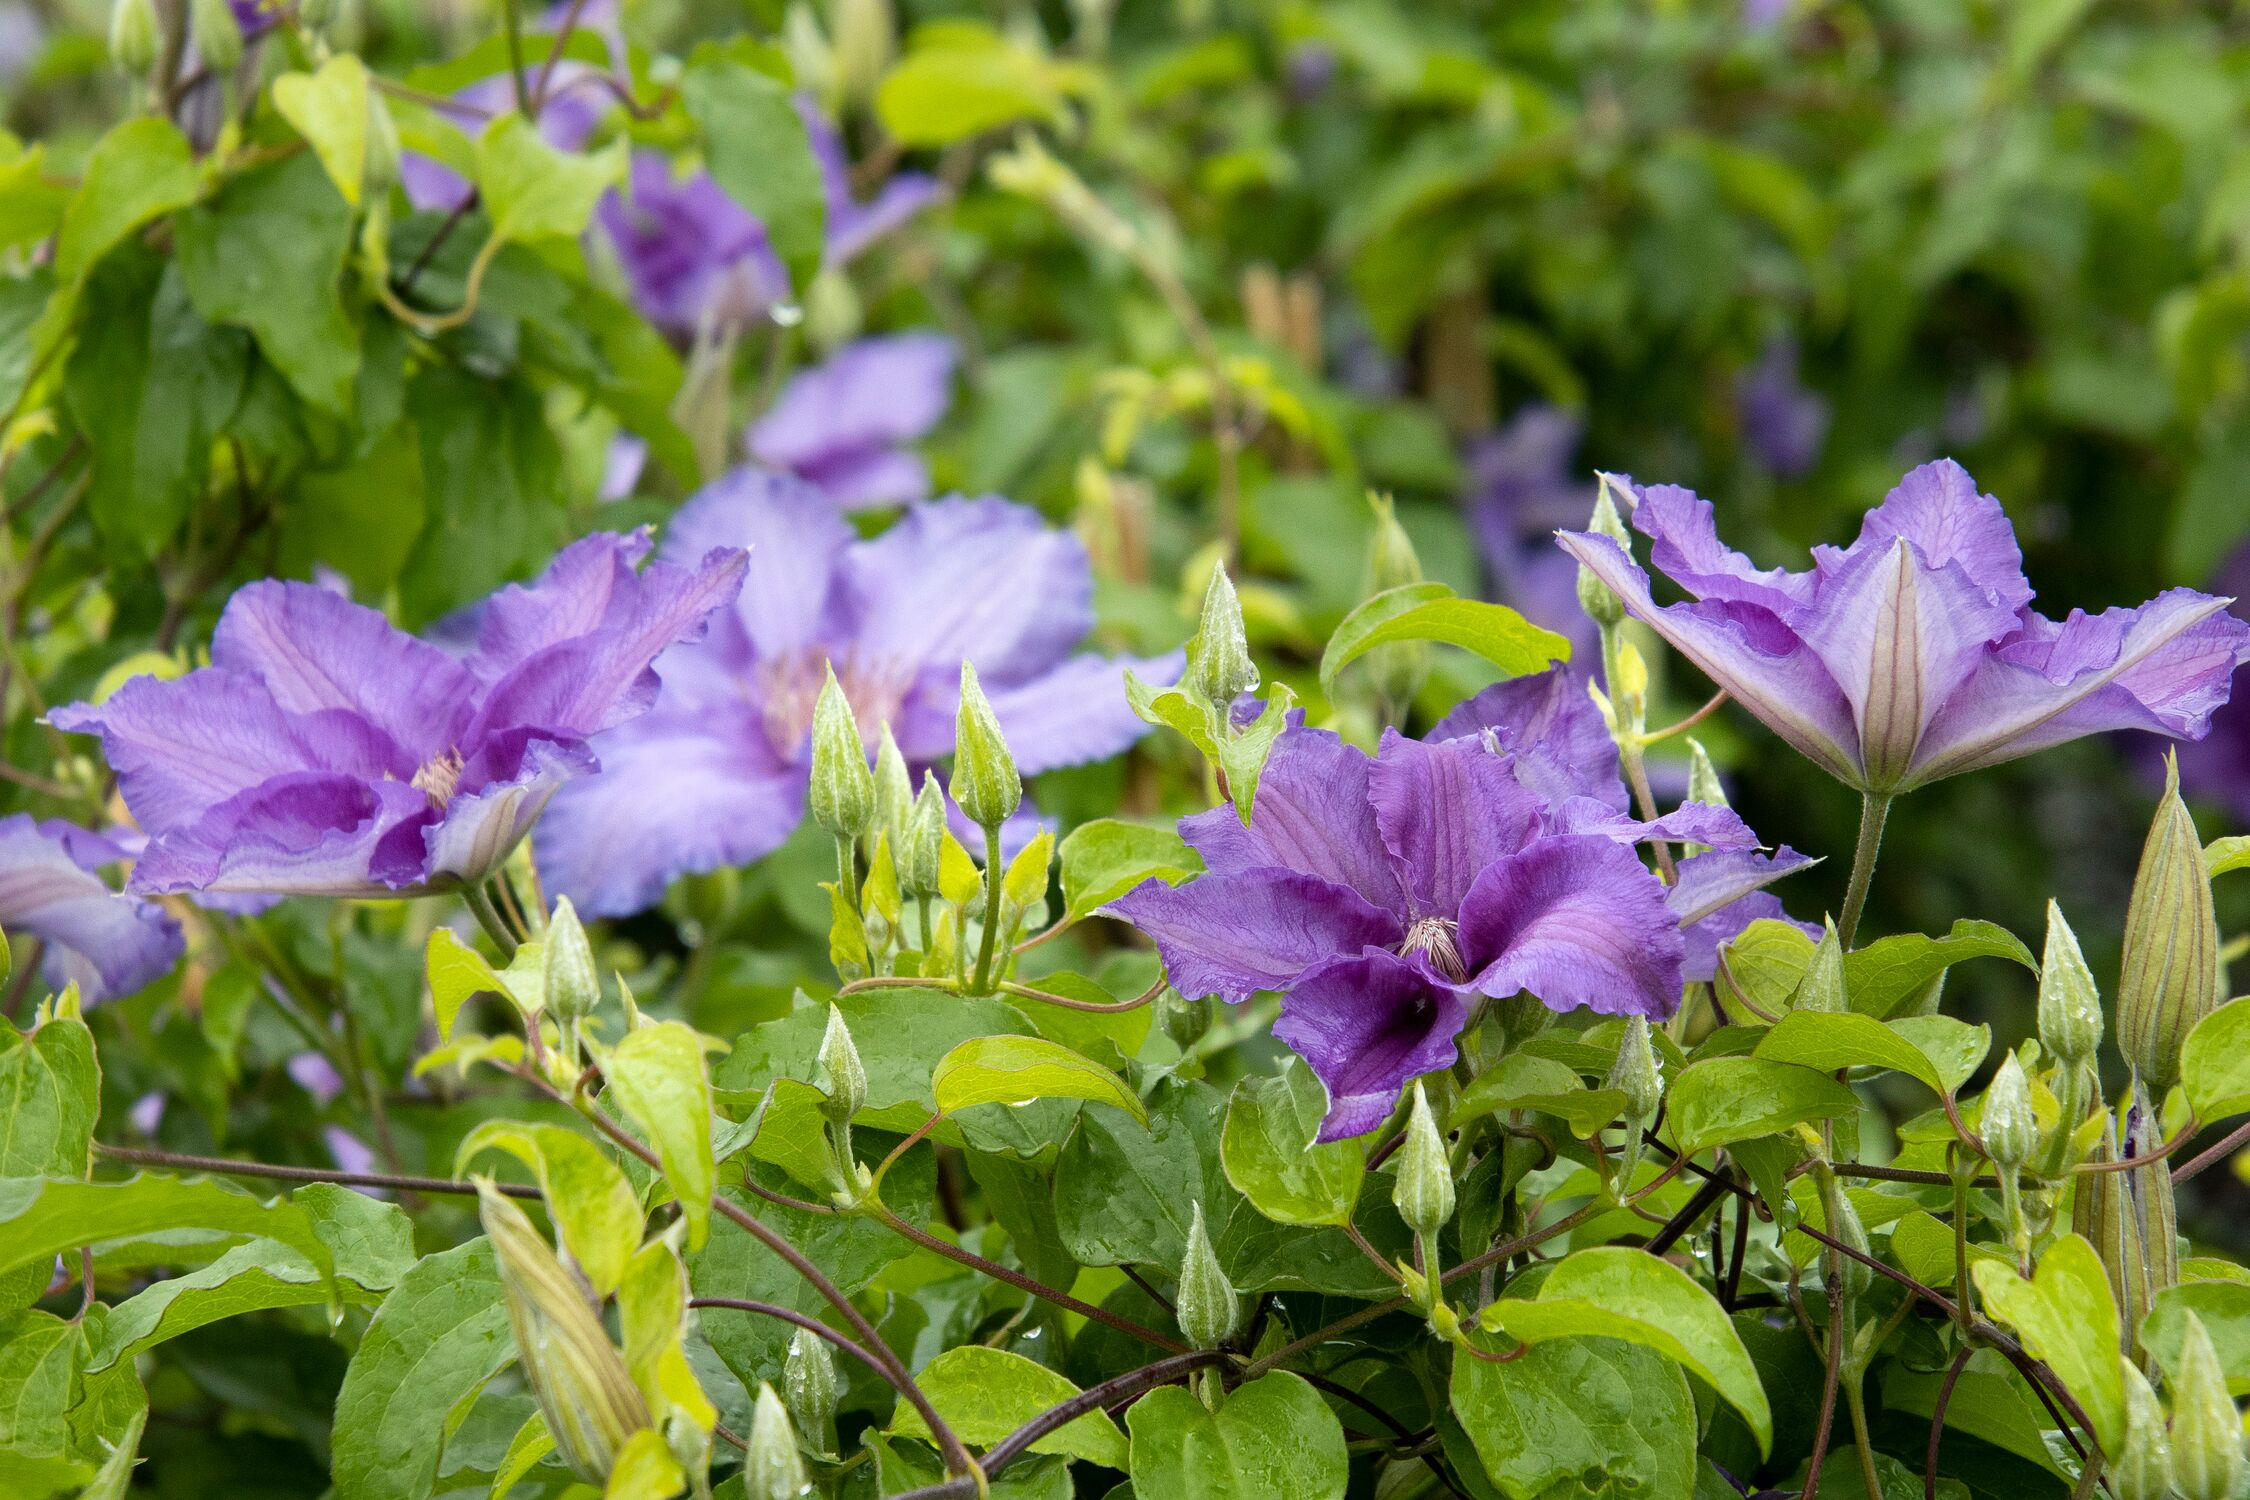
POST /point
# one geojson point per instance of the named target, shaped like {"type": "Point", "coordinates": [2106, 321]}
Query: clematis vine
{"type": "Point", "coordinates": [717, 774]}
{"type": "Point", "coordinates": [51, 888]}
{"type": "Point", "coordinates": [1388, 896]}
{"type": "Point", "coordinates": [843, 426]}
{"type": "Point", "coordinates": [326, 752]}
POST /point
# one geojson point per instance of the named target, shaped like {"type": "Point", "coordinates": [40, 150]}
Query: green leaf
{"type": "Point", "coordinates": [1580, 1418]}
{"type": "Point", "coordinates": [1431, 612]}
{"type": "Point", "coordinates": [1022, 1202]}
{"type": "Point", "coordinates": [657, 1076]}
{"type": "Point", "coordinates": [1273, 1439]}
{"type": "Point", "coordinates": [1523, 1080]}
{"type": "Point", "coordinates": [32, 204]}
{"type": "Point", "coordinates": [1724, 1099]}
{"type": "Point", "coordinates": [790, 1132]}
{"type": "Point", "coordinates": [1955, 1048]}
{"type": "Point", "coordinates": [960, 80]}
{"type": "Point", "coordinates": [2066, 1316]}
{"type": "Point", "coordinates": [139, 170]}
{"type": "Point", "coordinates": [2223, 1307]}
{"type": "Point", "coordinates": [756, 147]}
{"type": "Point", "coordinates": [115, 1477]}
{"type": "Point", "coordinates": [1105, 858]}
{"type": "Point", "coordinates": [493, 485]}
{"type": "Point", "coordinates": [432, 1345]}
{"type": "Point", "coordinates": [329, 109]}
{"type": "Point", "coordinates": [2215, 1063]}
{"type": "Point", "coordinates": [593, 1206]}
{"type": "Point", "coordinates": [1828, 1041]}
{"type": "Point", "coordinates": [1631, 1295]}
{"type": "Point", "coordinates": [455, 972]}
{"type": "Point", "coordinates": [1889, 971]}
{"type": "Point", "coordinates": [1270, 1156]}
{"type": "Point", "coordinates": [530, 189]}
{"type": "Point", "coordinates": [1019, 1069]}
{"type": "Point", "coordinates": [2223, 856]}
{"type": "Point", "coordinates": [50, 1096]}
{"type": "Point", "coordinates": [40, 1356]}
{"type": "Point", "coordinates": [1109, 1037]}
{"type": "Point", "coordinates": [265, 253]}
{"type": "Point", "coordinates": [41, 1219]}
{"type": "Point", "coordinates": [985, 1394]}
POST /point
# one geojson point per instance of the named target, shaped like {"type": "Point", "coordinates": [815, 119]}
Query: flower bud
{"type": "Point", "coordinates": [1423, 1190]}
{"type": "Point", "coordinates": [2206, 1429]}
{"type": "Point", "coordinates": [808, 1385]}
{"type": "Point", "coordinates": [1600, 602]}
{"type": "Point", "coordinates": [1397, 670]}
{"type": "Point", "coordinates": [843, 788]}
{"type": "Point", "coordinates": [1635, 1073]}
{"type": "Point", "coordinates": [2070, 1008]}
{"type": "Point", "coordinates": [2143, 1469]}
{"type": "Point", "coordinates": [2010, 1127]}
{"type": "Point", "coordinates": [1184, 1020]}
{"type": "Point", "coordinates": [865, 41]}
{"type": "Point", "coordinates": [842, 1077]}
{"type": "Point", "coordinates": [571, 984]}
{"type": "Point", "coordinates": [133, 37]}
{"type": "Point", "coordinates": [577, 1376]}
{"type": "Point", "coordinates": [379, 168]}
{"type": "Point", "coordinates": [985, 782]}
{"type": "Point", "coordinates": [1703, 784]}
{"type": "Point", "coordinates": [216, 34]}
{"type": "Point", "coordinates": [1848, 1230]}
{"type": "Point", "coordinates": [773, 1469]}
{"type": "Point", "coordinates": [1822, 988]}
{"type": "Point", "coordinates": [1219, 669]}
{"type": "Point", "coordinates": [894, 791]}
{"type": "Point", "coordinates": [921, 847]}
{"type": "Point", "coordinates": [2170, 977]}
{"type": "Point", "coordinates": [1209, 1313]}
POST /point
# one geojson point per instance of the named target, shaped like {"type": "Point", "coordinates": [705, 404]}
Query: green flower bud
{"type": "Point", "coordinates": [380, 167]}
{"type": "Point", "coordinates": [133, 37]}
{"type": "Point", "coordinates": [1703, 783]}
{"type": "Point", "coordinates": [1219, 668]}
{"type": "Point", "coordinates": [1602, 606]}
{"type": "Point", "coordinates": [577, 1376]}
{"type": "Point", "coordinates": [843, 788]}
{"type": "Point", "coordinates": [2143, 1470]}
{"type": "Point", "coordinates": [572, 985]}
{"type": "Point", "coordinates": [1391, 559]}
{"type": "Point", "coordinates": [1848, 1229]}
{"type": "Point", "coordinates": [809, 1386]}
{"type": "Point", "coordinates": [985, 782]}
{"type": "Point", "coordinates": [865, 41]}
{"type": "Point", "coordinates": [1822, 988]}
{"type": "Point", "coordinates": [216, 34]}
{"type": "Point", "coordinates": [2206, 1429]}
{"type": "Point", "coordinates": [922, 844]}
{"type": "Point", "coordinates": [2010, 1127]}
{"type": "Point", "coordinates": [2170, 977]}
{"type": "Point", "coordinates": [2070, 1008]}
{"type": "Point", "coordinates": [1635, 1073]}
{"type": "Point", "coordinates": [773, 1469]}
{"type": "Point", "coordinates": [1423, 1189]}
{"type": "Point", "coordinates": [1184, 1020]}
{"type": "Point", "coordinates": [842, 1077]}
{"type": "Point", "coordinates": [1209, 1313]}
{"type": "Point", "coordinates": [894, 791]}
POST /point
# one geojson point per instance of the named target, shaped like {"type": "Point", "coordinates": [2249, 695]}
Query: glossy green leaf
{"type": "Point", "coordinates": [329, 109]}
{"type": "Point", "coordinates": [657, 1076]}
{"type": "Point", "coordinates": [41, 1219]}
{"type": "Point", "coordinates": [1888, 972]}
{"type": "Point", "coordinates": [1274, 1438]}
{"type": "Point", "coordinates": [1431, 612]}
{"type": "Point", "coordinates": [594, 1208]}
{"type": "Point", "coordinates": [961, 80]}
{"type": "Point", "coordinates": [1831, 1040]}
{"type": "Point", "coordinates": [1271, 1157]}
{"type": "Point", "coordinates": [2215, 1062]}
{"type": "Point", "coordinates": [986, 1394]}
{"type": "Point", "coordinates": [139, 170]}
{"type": "Point", "coordinates": [1579, 1409]}
{"type": "Point", "coordinates": [455, 972]}
{"type": "Point", "coordinates": [1723, 1099]}
{"type": "Point", "coordinates": [40, 1355]}
{"type": "Point", "coordinates": [1105, 858]}
{"type": "Point", "coordinates": [1020, 1069]}
{"type": "Point", "coordinates": [2223, 1307]}
{"type": "Point", "coordinates": [50, 1095]}
{"type": "Point", "coordinates": [2066, 1316]}
{"type": "Point", "coordinates": [2223, 856]}
{"type": "Point", "coordinates": [1524, 1080]}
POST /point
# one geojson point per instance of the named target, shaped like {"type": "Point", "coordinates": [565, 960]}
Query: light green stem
{"type": "Point", "coordinates": [1874, 811]}
{"type": "Point", "coordinates": [993, 875]}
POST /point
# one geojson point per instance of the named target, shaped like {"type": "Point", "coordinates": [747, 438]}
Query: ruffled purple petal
{"type": "Point", "coordinates": [1685, 547]}
{"type": "Point", "coordinates": [1235, 935]}
{"type": "Point", "coordinates": [1312, 814]}
{"type": "Point", "coordinates": [1937, 507]}
{"type": "Point", "coordinates": [1446, 811]}
{"type": "Point", "coordinates": [105, 943]}
{"type": "Point", "coordinates": [1077, 712]}
{"type": "Point", "coordinates": [796, 541]}
{"type": "Point", "coordinates": [1712, 881]}
{"type": "Point", "coordinates": [1548, 721]}
{"type": "Point", "coordinates": [501, 798]}
{"type": "Point", "coordinates": [691, 253]}
{"type": "Point", "coordinates": [1368, 1026]}
{"type": "Point", "coordinates": [1576, 921]}
{"type": "Point", "coordinates": [853, 227]}
{"type": "Point", "coordinates": [305, 834]}
{"type": "Point", "coordinates": [1690, 823]}
{"type": "Point", "coordinates": [868, 478]}
{"type": "Point", "coordinates": [868, 398]}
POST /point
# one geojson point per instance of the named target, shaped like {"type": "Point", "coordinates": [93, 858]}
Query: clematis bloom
{"type": "Point", "coordinates": [717, 774]}
{"type": "Point", "coordinates": [842, 426]}
{"type": "Point", "coordinates": [1385, 895]}
{"type": "Point", "coordinates": [1914, 653]}
{"type": "Point", "coordinates": [326, 752]}
{"type": "Point", "coordinates": [106, 943]}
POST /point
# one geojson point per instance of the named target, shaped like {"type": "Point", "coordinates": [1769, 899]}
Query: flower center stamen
{"type": "Point", "coordinates": [1432, 937]}
{"type": "Point", "coordinates": [437, 778]}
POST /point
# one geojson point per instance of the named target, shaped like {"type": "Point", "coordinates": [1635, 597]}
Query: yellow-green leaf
{"type": "Point", "coordinates": [1019, 1069]}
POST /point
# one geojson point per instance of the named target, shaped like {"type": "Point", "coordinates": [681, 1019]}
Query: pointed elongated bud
{"type": "Point", "coordinates": [1822, 988]}
{"type": "Point", "coordinates": [1703, 784]}
{"type": "Point", "coordinates": [1423, 1191]}
{"type": "Point", "coordinates": [842, 1077]}
{"type": "Point", "coordinates": [1848, 1229]}
{"type": "Point", "coordinates": [1635, 1073]}
{"type": "Point", "coordinates": [2206, 1428]}
{"type": "Point", "coordinates": [216, 34]}
{"type": "Point", "coordinates": [572, 984]}
{"type": "Point", "coordinates": [2143, 1469]}
{"type": "Point", "coordinates": [1601, 604]}
{"type": "Point", "coordinates": [1219, 668]}
{"type": "Point", "coordinates": [773, 1468]}
{"type": "Point", "coordinates": [921, 847]}
{"type": "Point", "coordinates": [1397, 670]}
{"type": "Point", "coordinates": [133, 37]}
{"type": "Point", "coordinates": [2010, 1127]}
{"type": "Point", "coordinates": [2102, 1211]}
{"type": "Point", "coordinates": [2170, 977]}
{"type": "Point", "coordinates": [580, 1381]}
{"type": "Point", "coordinates": [985, 781]}
{"type": "Point", "coordinates": [843, 788]}
{"type": "Point", "coordinates": [2070, 1008]}
{"type": "Point", "coordinates": [809, 1387]}
{"type": "Point", "coordinates": [1209, 1312]}
{"type": "Point", "coordinates": [894, 791]}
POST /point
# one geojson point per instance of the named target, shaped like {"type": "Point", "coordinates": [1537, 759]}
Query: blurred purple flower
{"type": "Point", "coordinates": [147, 1112]}
{"type": "Point", "coordinates": [1521, 492]}
{"type": "Point", "coordinates": [325, 752]}
{"type": "Point", "coordinates": [1783, 421]}
{"type": "Point", "coordinates": [23, 35]}
{"type": "Point", "coordinates": [89, 935]}
{"type": "Point", "coordinates": [843, 425]}
{"type": "Point", "coordinates": [1914, 653]}
{"type": "Point", "coordinates": [1386, 895]}
{"type": "Point", "coordinates": [351, 1154]}
{"type": "Point", "coordinates": [716, 774]}
{"type": "Point", "coordinates": [1761, 15]}
{"type": "Point", "coordinates": [255, 17]}
{"type": "Point", "coordinates": [317, 1076]}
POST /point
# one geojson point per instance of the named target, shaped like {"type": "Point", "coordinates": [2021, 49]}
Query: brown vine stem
{"type": "Point", "coordinates": [806, 1321]}
{"type": "Point", "coordinates": [227, 1166]}
{"type": "Point", "coordinates": [2223, 1149]}
{"type": "Point", "coordinates": [2154, 1154]}
{"type": "Point", "coordinates": [1109, 1007]}
{"type": "Point", "coordinates": [1937, 1419]}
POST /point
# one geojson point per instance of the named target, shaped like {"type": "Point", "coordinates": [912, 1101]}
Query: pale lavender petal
{"type": "Point", "coordinates": [1311, 814]}
{"type": "Point", "coordinates": [107, 944]}
{"type": "Point", "coordinates": [1784, 422]}
{"type": "Point", "coordinates": [871, 478]}
{"type": "Point", "coordinates": [482, 824]}
{"type": "Point", "coordinates": [1235, 935]}
{"type": "Point", "coordinates": [1548, 721]}
{"type": "Point", "coordinates": [1690, 823]}
{"type": "Point", "coordinates": [852, 227]}
{"type": "Point", "coordinates": [1447, 811]}
{"type": "Point", "coordinates": [147, 1112]}
{"type": "Point", "coordinates": [1685, 547]}
{"type": "Point", "coordinates": [1077, 712]}
{"type": "Point", "coordinates": [1709, 882]}
{"type": "Point", "coordinates": [1368, 1026]}
{"type": "Point", "coordinates": [838, 422]}
{"type": "Point", "coordinates": [1937, 507]}
{"type": "Point", "coordinates": [309, 834]}
{"type": "Point", "coordinates": [317, 1076]}
{"type": "Point", "coordinates": [351, 1154]}
{"type": "Point", "coordinates": [1577, 922]}
{"type": "Point", "coordinates": [795, 540]}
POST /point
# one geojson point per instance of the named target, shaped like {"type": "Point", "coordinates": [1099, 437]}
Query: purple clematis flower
{"type": "Point", "coordinates": [1914, 654]}
{"type": "Point", "coordinates": [1387, 895]}
{"type": "Point", "coordinates": [1784, 421]}
{"type": "Point", "coordinates": [843, 425]}
{"type": "Point", "coordinates": [716, 775]}
{"type": "Point", "coordinates": [2218, 768]}
{"type": "Point", "coordinates": [105, 943]}
{"type": "Point", "coordinates": [1521, 492]}
{"type": "Point", "coordinates": [325, 752]}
